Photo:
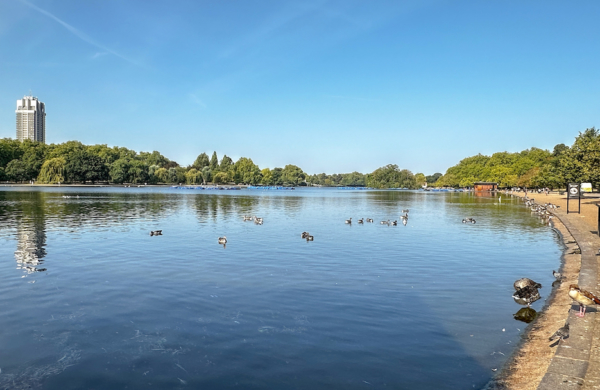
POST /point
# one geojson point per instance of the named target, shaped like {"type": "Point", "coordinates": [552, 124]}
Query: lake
{"type": "Point", "coordinates": [90, 300]}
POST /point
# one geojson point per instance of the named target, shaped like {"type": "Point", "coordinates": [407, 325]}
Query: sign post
{"type": "Point", "coordinates": [574, 191]}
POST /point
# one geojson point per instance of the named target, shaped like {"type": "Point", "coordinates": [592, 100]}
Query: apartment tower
{"type": "Point", "coordinates": [31, 119]}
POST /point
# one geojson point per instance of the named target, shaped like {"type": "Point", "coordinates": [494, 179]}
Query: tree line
{"type": "Point", "coordinates": [532, 168]}
{"type": "Point", "coordinates": [74, 162]}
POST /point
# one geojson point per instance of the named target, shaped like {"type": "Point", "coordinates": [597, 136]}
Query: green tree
{"type": "Point", "coordinates": [119, 171]}
{"type": "Point", "coordinates": [193, 176]}
{"type": "Point", "coordinates": [226, 163]}
{"type": "Point", "coordinates": [214, 163]}
{"type": "Point", "coordinates": [201, 162]}
{"type": "Point", "coordinates": [292, 175]}
{"type": "Point", "coordinates": [245, 171]}
{"type": "Point", "coordinates": [390, 176]}
{"type": "Point", "coordinates": [266, 177]}
{"type": "Point", "coordinates": [220, 178]}
{"type": "Point", "coordinates": [52, 171]}
{"type": "Point", "coordinates": [138, 172]}
{"type": "Point", "coordinates": [16, 171]}
{"type": "Point", "coordinates": [162, 175]}
{"type": "Point", "coordinates": [420, 179]}
{"type": "Point", "coordinates": [580, 162]}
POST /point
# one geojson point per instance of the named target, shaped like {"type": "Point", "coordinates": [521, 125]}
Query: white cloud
{"type": "Point", "coordinates": [79, 34]}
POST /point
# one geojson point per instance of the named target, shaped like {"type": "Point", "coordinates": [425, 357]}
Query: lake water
{"type": "Point", "coordinates": [89, 300]}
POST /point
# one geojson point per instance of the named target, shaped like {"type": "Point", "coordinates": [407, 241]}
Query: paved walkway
{"type": "Point", "coordinates": [576, 363]}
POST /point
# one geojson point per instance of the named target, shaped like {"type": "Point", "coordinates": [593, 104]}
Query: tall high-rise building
{"type": "Point", "coordinates": [31, 119]}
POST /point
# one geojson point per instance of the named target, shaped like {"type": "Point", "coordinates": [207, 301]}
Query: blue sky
{"type": "Point", "coordinates": [330, 86]}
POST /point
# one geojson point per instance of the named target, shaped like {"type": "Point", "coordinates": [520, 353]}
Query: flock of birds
{"type": "Point", "coordinates": [526, 290]}
{"type": "Point", "coordinates": [403, 219]}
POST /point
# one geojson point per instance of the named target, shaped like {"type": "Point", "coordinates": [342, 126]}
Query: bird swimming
{"type": "Point", "coordinates": [310, 238]}
{"type": "Point", "coordinates": [361, 220]}
{"type": "Point", "coordinates": [468, 220]}
{"type": "Point", "coordinates": [349, 221]}
{"type": "Point", "coordinates": [370, 220]}
{"type": "Point", "coordinates": [583, 297]}
{"type": "Point", "coordinates": [156, 233]}
{"type": "Point", "coordinates": [304, 234]}
{"type": "Point", "coordinates": [223, 240]}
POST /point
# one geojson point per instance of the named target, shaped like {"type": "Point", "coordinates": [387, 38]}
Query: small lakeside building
{"type": "Point", "coordinates": [482, 186]}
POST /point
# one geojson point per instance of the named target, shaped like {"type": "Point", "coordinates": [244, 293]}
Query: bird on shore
{"type": "Point", "coordinates": [223, 240]}
{"type": "Point", "coordinates": [304, 234]}
{"type": "Point", "coordinates": [526, 295]}
{"type": "Point", "coordinates": [349, 221]}
{"type": "Point", "coordinates": [524, 282]}
{"type": "Point", "coordinates": [560, 334]}
{"type": "Point", "coordinates": [557, 275]}
{"type": "Point", "coordinates": [583, 297]}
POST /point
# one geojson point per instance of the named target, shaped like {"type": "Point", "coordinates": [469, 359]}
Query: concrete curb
{"type": "Point", "coordinates": [576, 362]}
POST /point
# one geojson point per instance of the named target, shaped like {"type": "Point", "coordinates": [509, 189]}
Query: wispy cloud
{"type": "Point", "coordinates": [197, 100]}
{"type": "Point", "coordinates": [79, 34]}
{"type": "Point", "coordinates": [99, 54]}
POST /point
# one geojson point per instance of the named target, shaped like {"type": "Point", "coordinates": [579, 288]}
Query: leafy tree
{"type": "Point", "coordinates": [266, 177]}
{"type": "Point", "coordinates": [431, 179]}
{"type": "Point", "coordinates": [83, 166]}
{"type": "Point", "coordinates": [138, 172]}
{"type": "Point", "coordinates": [52, 171]}
{"type": "Point", "coordinates": [226, 163]}
{"type": "Point", "coordinates": [293, 175]}
{"type": "Point", "coordinates": [420, 179]}
{"type": "Point", "coordinates": [220, 178]}
{"type": "Point", "coordinates": [16, 171]}
{"type": "Point", "coordinates": [206, 175]}
{"type": "Point", "coordinates": [119, 171]}
{"type": "Point", "coordinates": [10, 149]}
{"type": "Point", "coordinates": [580, 162]}
{"type": "Point", "coordinates": [277, 176]}
{"type": "Point", "coordinates": [245, 171]}
{"type": "Point", "coordinates": [162, 175]}
{"type": "Point", "coordinates": [214, 162]}
{"type": "Point", "coordinates": [391, 176]}
{"type": "Point", "coordinates": [193, 176]}
{"type": "Point", "coordinates": [201, 162]}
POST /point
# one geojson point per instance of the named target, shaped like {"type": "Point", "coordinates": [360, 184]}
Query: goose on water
{"type": "Point", "coordinates": [349, 221]}
{"type": "Point", "coordinates": [361, 220]}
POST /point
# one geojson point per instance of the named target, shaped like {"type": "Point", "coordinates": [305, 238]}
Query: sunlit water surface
{"type": "Point", "coordinates": [89, 300]}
